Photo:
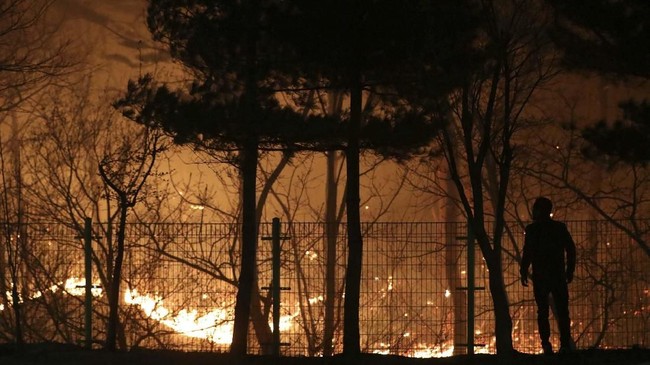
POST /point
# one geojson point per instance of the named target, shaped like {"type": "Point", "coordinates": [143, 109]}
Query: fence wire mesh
{"type": "Point", "coordinates": [180, 281]}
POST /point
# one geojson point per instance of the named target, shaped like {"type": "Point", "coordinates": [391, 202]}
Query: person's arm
{"type": "Point", "coordinates": [570, 248]}
{"type": "Point", "coordinates": [525, 259]}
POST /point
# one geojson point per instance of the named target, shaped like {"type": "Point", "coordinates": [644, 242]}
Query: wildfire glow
{"type": "Point", "coordinates": [421, 350]}
{"type": "Point", "coordinates": [215, 326]}
{"type": "Point", "coordinates": [317, 299]}
{"type": "Point", "coordinates": [72, 286]}
{"type": "Point", "coordinates": [77, 287]}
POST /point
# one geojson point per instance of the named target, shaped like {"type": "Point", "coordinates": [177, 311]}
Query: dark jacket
{"type": "Point", "coordinates": [544, 247]}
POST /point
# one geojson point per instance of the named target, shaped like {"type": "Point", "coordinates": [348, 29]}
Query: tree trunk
{"type": "Point", "coordinates": [452, 267]}
{"type": "Point", "coordinates": [351, 336]}
{"type": "Point", "coordinates": [249, 156]}
{"type": "Point", "coordinates": [19, 252]}
{"type": "Point", "coordinates": [331, 233]}
{"type": "Point", "coordinates": [5, 273]}
{"type": "Point", "coordinates": [502, 319]}
{"type": "Point", "coordinates": [260, 321]}
{"type": "Point", "coordinates": [114, 290]}
{"type": "Point", "coordinates": [16, 306]}
{"type": "Point", "coordinates": [259, 310]}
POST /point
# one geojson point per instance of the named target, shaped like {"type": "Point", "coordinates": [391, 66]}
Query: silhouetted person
{"type": "Point", "coordinates": [545, 246]}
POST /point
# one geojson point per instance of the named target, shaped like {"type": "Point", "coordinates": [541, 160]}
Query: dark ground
{"type": "Point", "coordinates": [66, 354]}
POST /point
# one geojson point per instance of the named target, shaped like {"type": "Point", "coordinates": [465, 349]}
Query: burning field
{"type": "Point", "coordinates": [56, 354]}
{"type": "Point", "coordinates": [179, 291]}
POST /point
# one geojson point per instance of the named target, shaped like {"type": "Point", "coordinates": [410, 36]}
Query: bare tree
{"type": "Point", "coordinates": [14, 217]}
{"type": "Point", "coordinates": [480, 143]}
{"type": "Point", "coordinates": [32, 54]}
{"type": "Point", "coordinates": [620, 194]}
{"type": "Point", "coordinates": [32, 58]}
{"type": "Point", "coordinates": [75, 140]}
{"type": "Point", "coordinates": [125, 171]}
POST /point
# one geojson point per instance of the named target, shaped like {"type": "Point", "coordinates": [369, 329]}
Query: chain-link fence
{"type": "Point", "coordinates": [179, 286]}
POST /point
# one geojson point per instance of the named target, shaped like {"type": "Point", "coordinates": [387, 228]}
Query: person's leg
{"type": "Point", "coordinates": [561, 298]}
{"type": "Point", "coordinates": [541, 298]}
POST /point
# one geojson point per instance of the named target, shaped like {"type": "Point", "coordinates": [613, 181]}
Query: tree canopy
{"type": "Point", "coordinates": [241, 56]}
{"type": "Point", "coordinates": [605, 35]}
{"type": "Point", "coordinates": [385, 49]}
{"type": "Point", "coordinates": [610, 37]}
{"type": "Point", "coordinates": [627, 139]}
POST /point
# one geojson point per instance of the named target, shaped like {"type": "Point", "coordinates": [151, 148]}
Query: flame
{"type": "Point", "coordinates": [72, 286]}
{"type": "Point", "coordinates": [311, 255]}
{"type": "Point", "coordinates": [77, 287]}
{"type": "Point", "coordinates": [426, 351]}
{"type": "Point", "coordinates": [314, 300]}
{"type": "Point", "coordinates": [420, 350]}
{"type": "Point", "coordinates": [215, 326]}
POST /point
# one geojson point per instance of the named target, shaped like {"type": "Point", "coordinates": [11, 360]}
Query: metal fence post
{"type": "Point", "coordinates": [89, 282]}
{"type": "Point", "coordinates": [275, 287]}
{"type": "Point", "coordinates": [471, 287]}
{"type": "Point", "coordinates": [471, 290]}
{"type": "Point", "coordinates": [275, 233]}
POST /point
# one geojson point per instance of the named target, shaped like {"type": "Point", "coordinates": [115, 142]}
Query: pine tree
{"type": "Point", "coordinates": [611, 38]}
{"type": "Point", "coordinates": [385, 52]}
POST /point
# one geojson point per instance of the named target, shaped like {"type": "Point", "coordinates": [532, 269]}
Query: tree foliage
{"type": "Point", "coordinates": [626, 140]}
{"type": "Point", "coordinates": [384, 49]}
{"type": "Point", "coordinates": [605, 35]}
{"type": "Point", "coordinates": [32, 56]}
{"type": "Point", "coordinates": [610, 37]}
{"type": "Point", "coordinates": [482, 142]}
{"type": "Point", "coordinates": [229, 105]}
{"type": "Point", "coordinates": [208, 120]}
{"type": "Point", "coordinates": [240, 55]}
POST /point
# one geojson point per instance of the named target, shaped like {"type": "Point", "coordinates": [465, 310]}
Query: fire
{"type": "Point", "coordinates": [426, 351]}
{"type": "Point", "coordinates": [420, 350]}
{"type": "Point", "coordinates": [77, 287]}
{"type": "Point", "coordinates": [215, 326]}
{"type": "Point", "coordinates": [72, 286]}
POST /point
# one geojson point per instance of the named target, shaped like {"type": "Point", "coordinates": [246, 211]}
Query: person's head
{"type": "Point", "coordinates": [542, 208]}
